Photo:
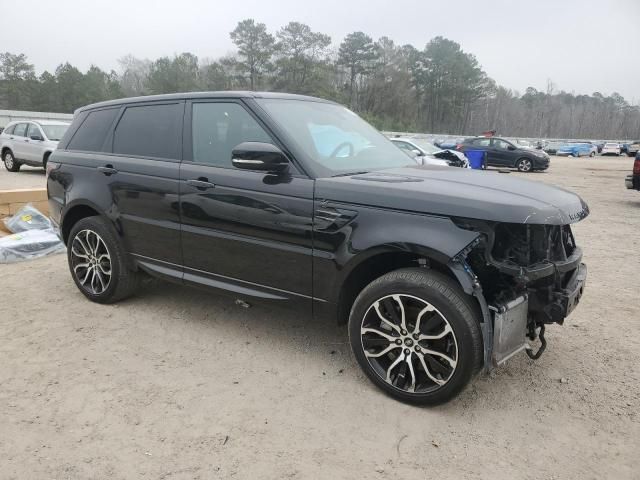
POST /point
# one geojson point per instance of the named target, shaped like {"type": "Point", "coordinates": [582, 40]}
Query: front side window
{"type": "Point", "coordinates": [150, 131]}
{"type": "Point", "coordinates": [92, 133]}
{"type": "Point", "coordinates": [217, 128]}
{"type": "Point", "coordinates": [34, 130]}
{"type": "Point", "coordinates": [20, 130]}
{"type": "Point", "coordinates": [336, 139]}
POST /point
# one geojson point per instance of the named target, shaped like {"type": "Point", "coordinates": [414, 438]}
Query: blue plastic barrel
{"type": "Point", "coordinates": [476, 158]}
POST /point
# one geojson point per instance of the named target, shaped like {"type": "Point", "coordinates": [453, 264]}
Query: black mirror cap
{"type": "Point", "coordinates": [36, 137]}
{"type": "Point", "coordinates": [259, 156]}
{"type": "Point", "coordinates": [511, 147]}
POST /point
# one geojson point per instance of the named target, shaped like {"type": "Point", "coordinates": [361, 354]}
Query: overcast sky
{"type": "Point", "coordinates": [581, 45]}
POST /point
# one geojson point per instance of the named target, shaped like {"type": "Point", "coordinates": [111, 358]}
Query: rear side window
{"type": "Point", "coordinates": [91, 134]}
{"type": "Point", "coordinates": [150, 131]}
{"type": "Point", "coordinates": [10, 129]}
{"type": "Point", "coordinates": [20, 130]}
{"type": "Point", "coordinates": [217, 128]}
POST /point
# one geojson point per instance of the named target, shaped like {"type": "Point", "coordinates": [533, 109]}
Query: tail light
{"type": "Point", "coordinates": [636, 166]}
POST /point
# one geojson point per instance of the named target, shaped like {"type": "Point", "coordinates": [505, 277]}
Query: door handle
{"type": "Point", "coordinates": [201, 183]}
{"type": "Point", "coordinates": [107, 170]}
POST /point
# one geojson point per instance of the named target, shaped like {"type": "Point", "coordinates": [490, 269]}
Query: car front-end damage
{"type": "Point", "coordinates": [525, 276]}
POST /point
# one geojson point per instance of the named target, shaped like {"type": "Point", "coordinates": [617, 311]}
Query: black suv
{"type": "Point", "coordinates": [503, 153]}
{"type": "Point", "coordinates": [295, 200]}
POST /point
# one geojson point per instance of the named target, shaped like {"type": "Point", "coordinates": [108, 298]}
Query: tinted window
{"type": "Point", "coordinates": [10, 129]}
{"type": "Point", "coordinates": [150, 131]}
{"type": "Point", "coordinates": [217, 128]}
{"type": "Point", "coordinates": [91, 134]}
{"type": "Point", "coordinates": [20, 130]}
{"type": "Point", "coordinates": [33, 130]}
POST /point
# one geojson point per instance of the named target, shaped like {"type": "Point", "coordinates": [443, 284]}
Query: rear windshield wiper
{"type": "Point", "coordinates": [349, 174]}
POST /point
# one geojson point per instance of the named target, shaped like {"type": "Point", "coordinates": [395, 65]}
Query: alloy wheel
{"type": "Point", "coordinates": [409, 343]}
{"type": "Point", "coordinates": [8, 160]}
{"type": "Point", "coordinates": [525, 165]}
{"type": "Point", "coordinates": [91, 262]}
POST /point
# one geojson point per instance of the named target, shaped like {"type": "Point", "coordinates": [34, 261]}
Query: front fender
{"type": "Point", "coordinates": [373, 232]}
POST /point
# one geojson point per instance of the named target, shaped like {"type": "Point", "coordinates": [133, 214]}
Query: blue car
{"type": "Point", "coordinates": [575, 150]}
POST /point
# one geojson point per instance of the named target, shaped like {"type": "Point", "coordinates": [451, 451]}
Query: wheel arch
{"type": "Point", "coordinates": [75, 212]}
{"type": "Point", "coordinates": [377, 261]}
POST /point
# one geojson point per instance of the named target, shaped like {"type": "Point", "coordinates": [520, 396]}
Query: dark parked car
{"type": "Point", "coordinates": [503, 153]}
{"type": "Point", "coordinates": [297, 201]}
{"type": "Point", "coordinates": [632, 181]}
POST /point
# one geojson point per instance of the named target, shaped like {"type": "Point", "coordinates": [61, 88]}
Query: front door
{"type": "Point", "coordinates": [243, 231]}
{"type": "Point", "coordinates": [500, 155]}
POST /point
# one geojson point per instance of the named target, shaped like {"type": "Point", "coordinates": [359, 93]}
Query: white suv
{"type": "Point", "coordinates": [30, 142]}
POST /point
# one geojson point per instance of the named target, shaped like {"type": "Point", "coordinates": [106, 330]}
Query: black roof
{"type": "Point", "coordinates": [192, 95]}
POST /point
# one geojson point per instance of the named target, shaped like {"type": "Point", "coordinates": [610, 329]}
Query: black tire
{"type": "Point", "coordinates": [10, 163]}
{"type": "Point", "coordinates": [45, 159]}
{"type": "Point", "coordinates": [122, 282]}
{"type": "Point", "coordinates": [592, 154]}
{"type": "Point", "coordinates": [524, 165]}
{"type": "Point", "coordinates": [451, 307]}
{"type": "Point", "coordinates": [631, 154]}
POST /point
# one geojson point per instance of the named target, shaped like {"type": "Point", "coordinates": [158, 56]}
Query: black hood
{"type": "Point", "coordinates": [457, 192]}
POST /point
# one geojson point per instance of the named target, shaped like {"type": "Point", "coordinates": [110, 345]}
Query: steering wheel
{"type": "Point", "coordinates": [340, 147]}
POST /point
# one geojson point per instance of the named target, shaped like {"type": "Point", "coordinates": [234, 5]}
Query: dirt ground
{"type": "Point", "coordinates": [181, 384]}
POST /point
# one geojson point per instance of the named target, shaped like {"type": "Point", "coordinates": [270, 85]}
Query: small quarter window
{"type": "Point", "coordinates": [92, 133]}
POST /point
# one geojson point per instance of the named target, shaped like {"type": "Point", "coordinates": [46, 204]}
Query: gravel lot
{"type": "Point", "coordinates": [180, 384]}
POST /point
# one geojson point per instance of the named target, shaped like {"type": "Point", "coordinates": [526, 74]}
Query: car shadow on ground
{"type": "Point", "coordinates": [322, 341]}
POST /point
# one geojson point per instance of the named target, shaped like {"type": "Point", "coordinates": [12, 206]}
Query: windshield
{"type": "Point", "coordinates": [54, 132]}
{"type": "Point", "coordinates": [428, 147]}
{"type": "Point", "coordinates": [335, 138]}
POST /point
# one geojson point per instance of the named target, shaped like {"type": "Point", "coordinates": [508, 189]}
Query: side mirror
{"type": "Point", "coordinates": [417, 153]}
{"type": "Point", "coordinates": [259, 156]}
{"type": "Point", "coordinates": [511, 147]}
{"type": "Point", "coordinates": [36, 137]}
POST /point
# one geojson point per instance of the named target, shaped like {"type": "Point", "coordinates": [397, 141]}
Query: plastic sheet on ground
{"type": "Point", "coordinates": [34, 236]}
{"type": "Point", "coordinates": [27, 218]}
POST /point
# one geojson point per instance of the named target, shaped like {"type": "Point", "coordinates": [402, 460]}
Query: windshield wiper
{"type": "Point", "coordinates": [349, 174]}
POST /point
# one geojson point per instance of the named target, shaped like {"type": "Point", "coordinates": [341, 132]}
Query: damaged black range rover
{"type": "Point", "coordinates": [285, 199]}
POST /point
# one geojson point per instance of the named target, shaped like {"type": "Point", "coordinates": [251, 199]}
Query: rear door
{"type": "Point", "coordinates": [131, 156]}
{"type": "Point", "coordinates": [34, 149]}
{"type": "Point", "coordinates": [18, 143]}
{"type": "Point", "coordinates": [243, 231]}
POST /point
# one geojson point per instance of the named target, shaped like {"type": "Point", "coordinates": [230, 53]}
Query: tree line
{"type": "Point", "coordinates": [437, 89]}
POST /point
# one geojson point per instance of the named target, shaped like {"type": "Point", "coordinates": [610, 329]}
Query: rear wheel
{"type": "Point", "coordinates": [592, 154]}
{"type": "Point", "coordinates": [10, 162]}
{"type": "Point", "coordinates": [97, 262]}
{"type": "Point", "coordinates": [524, 165]}
{"type": "Point", "coordinates": [416, 336]}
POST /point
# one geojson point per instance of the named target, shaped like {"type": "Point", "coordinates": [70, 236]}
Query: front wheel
{"type": "Point", "coordinates": [416, 335]}
{"type": "Point", "coordinates": [10, 163]}
{"type": "Point", "coordinates": [524, 165]}
{"type": "Point", "coordinates": [592, 154]}
{"type": "Point", "coordinates": [97, 262]}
